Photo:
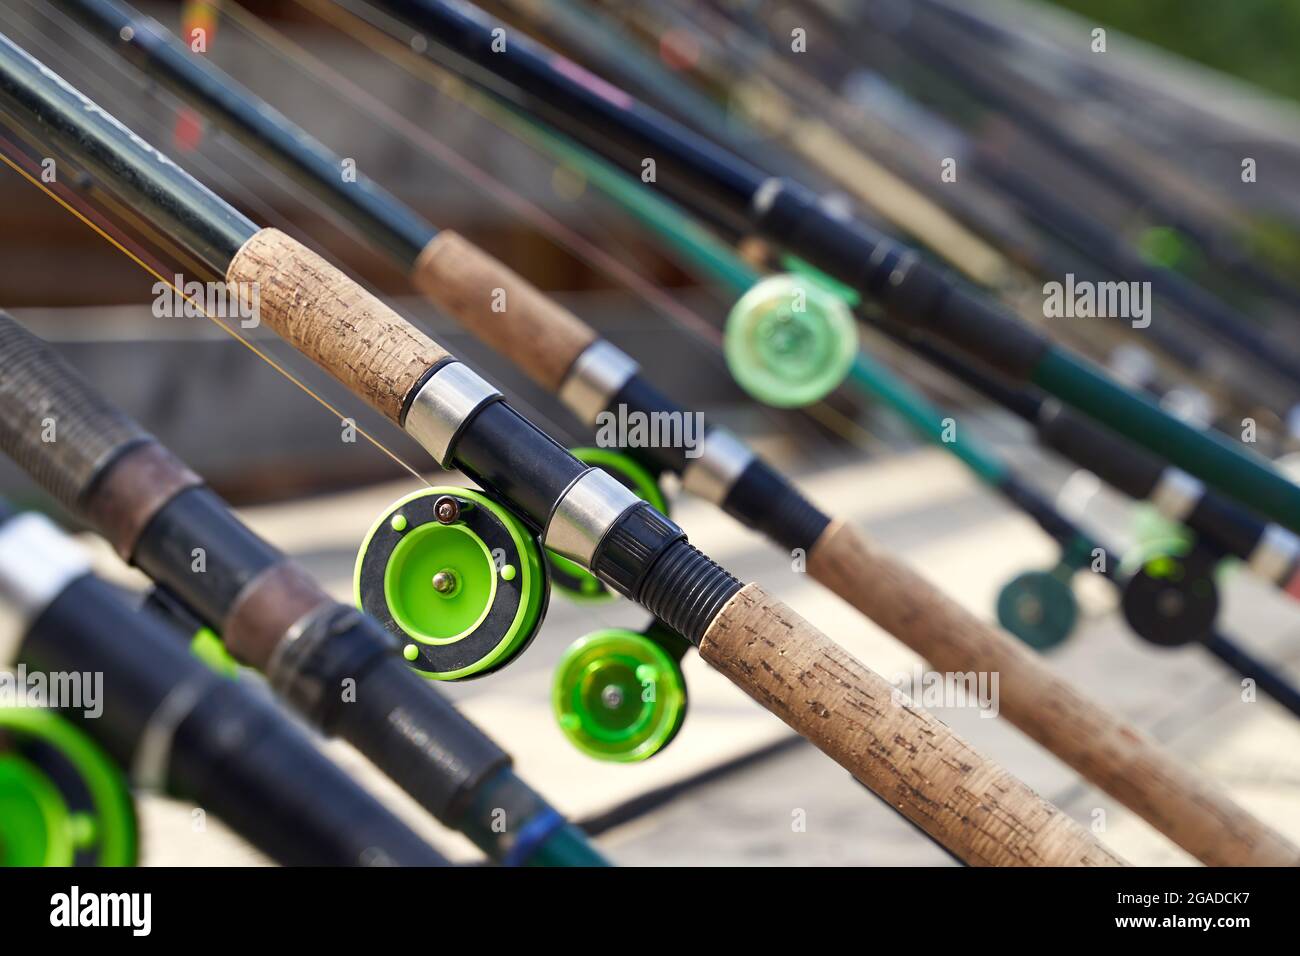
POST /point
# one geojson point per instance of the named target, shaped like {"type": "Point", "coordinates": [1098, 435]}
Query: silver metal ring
{"type": "Point", "coordinates": [596, 377]}
{"type": "Point", "coordinates": [37, 561]}
{"type": "Point", "coordinates": [444, 403]}
{"type": "Point", "coordinates": [1275, 554]}
{"type": "Point", "coordinates": [1176, 493]}
{"type": "Point", "coordinates": [587, 509]}
{"type": "Point", "coordinates": [722, 460]}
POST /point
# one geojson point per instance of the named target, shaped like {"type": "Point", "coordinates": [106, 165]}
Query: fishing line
{"type": "Point", "coordinates": [220, 323]}
{"type": "Point", "coordinates": [444, 82]}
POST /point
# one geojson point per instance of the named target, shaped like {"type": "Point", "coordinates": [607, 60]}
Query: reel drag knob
{"type": "Point", "coordinates": [63, 802]}
{"type": "Point", "coordinates": [1039, 608]}
{"type": "Point", "coordinates": [789, 341]}
{"type": "Point", "coordinates": [572, 579]}
{"type": "Point", "coordinates": [618, 695]}
{"type": "Point", "coordinates": [458, 577]}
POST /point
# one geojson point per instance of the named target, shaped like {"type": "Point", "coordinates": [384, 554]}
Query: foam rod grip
{"type": "Point", "coordinates": [500, 307]}
{"type": "Point", "coordinates": [1179, 802]}
{"type": "Point", "coordinates": [328, 317]}
{"type": "Point", "coordinates": [977, 810]}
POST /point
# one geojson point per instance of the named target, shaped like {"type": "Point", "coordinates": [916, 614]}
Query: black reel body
{"type": "Point", "coordinates": [458, 577]}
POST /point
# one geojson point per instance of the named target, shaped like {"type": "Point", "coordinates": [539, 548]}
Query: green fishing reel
{"type": "Point", "coordinates": [572, 579]}
{"type": "Point", "coordinates": [458, 577]}
{"type": "Point", "coordinates": [1039, 607]}
{"type": "Point", "coordinates": [63, 802]}
{"type": "Point", "coordinates": [619, 695]}
{"type": "Point", "coordinates": [790, 341]}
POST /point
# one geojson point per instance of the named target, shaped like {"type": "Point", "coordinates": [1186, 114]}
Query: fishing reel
{"type": "Point", "coordinates": [1039, 607]}
{"type": "Point", "coordinates": [1172, 598]}
{"type": "Point", "coordinates": [457, 577]}
{"type": "Point", "coordinates": [572, 579]}
{"type": "Point", "coordinates": [63, 801]}
{"type": "Point", "coordinates": [619, 695]}
{"type": "Point", "coordinates": [790, 341]}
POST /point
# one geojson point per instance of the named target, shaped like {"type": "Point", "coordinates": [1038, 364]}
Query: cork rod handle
{"type": "Point", "coordinates": [972, 806]}
{"type": "Point", "coordinates": [1182, 804]}
{"type": "Point", "coordinates": [328, 317]}
{"type": "Point", "coordinates": [500, 307]}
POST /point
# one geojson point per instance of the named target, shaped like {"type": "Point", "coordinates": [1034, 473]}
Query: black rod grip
{"type": "Point", "coordinates": [1115, 460]}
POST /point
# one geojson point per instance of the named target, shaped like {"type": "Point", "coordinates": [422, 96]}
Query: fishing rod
{"type": "Point", "coordinates": [912, 292]}
{"type": "Point", "coordinates": [928, 774]}
{"type": "Point", "coordinates": [604, 47]}
{"type": "Point", "coordinates": [1036, 606]}
{"type": "Point", "coordinates": [1226, 252]}
{"type": "Point", "coordinates": [180, 726]}
{"type": "Point", "coordinates": [338, 668]}
{"type": "Point", "coordinates": [1038, 204]}
{"type": "Point", "coordinates": [1050, 210]}
{"type": "Point", "coordinates": [566, 356]}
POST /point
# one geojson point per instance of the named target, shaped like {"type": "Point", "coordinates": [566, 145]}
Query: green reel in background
{"type": "Point", "coordinates": [619, 695]}
{"type": "Point", "coordinates": [572, 579]}
{"type": "Point", "coordinates": [790, 341]}
{"type": "Point", "coordinates": [63, 802]}
{"type": "Point", "coordinates": [1039, 607]}
{"type": "Point", "coordinates": [458, 577]}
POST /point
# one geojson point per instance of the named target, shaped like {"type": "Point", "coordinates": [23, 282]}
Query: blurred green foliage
{"type": "Point", "coordinates": [1257, 40]}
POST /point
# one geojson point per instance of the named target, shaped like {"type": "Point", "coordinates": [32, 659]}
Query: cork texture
{"type": "Point", "coordinates": [340, 326]}
{"type": "Point", "coordinates": [977, 810]}
{"type": "Point", "coordinates": [1175, 799]}
{"type": "Point", "coordinates": [501, 308]}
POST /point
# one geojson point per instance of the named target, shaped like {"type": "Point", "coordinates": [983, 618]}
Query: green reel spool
{"type": "Point", "coordinates": [458, 577]}
{"type": "Point", "coordinates": [570, 578]}
{"type": "Point", "coordinates": [1039, 607]}
{"type": "Point", "coordinates": [619, 695]}
{"type": "Point", "coordinates": [790, 341]}
{"type": "Point", "coordinates": [63, 802]}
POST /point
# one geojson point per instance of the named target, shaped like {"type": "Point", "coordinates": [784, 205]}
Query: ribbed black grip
{"type": "Point", "coordinates": [52, 424]}
{"type": "Point", "coordinates": [686, 590]}
{"type": "Point", "coordinates": [763, 499]}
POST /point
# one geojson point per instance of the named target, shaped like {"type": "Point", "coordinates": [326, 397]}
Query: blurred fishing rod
{"type": "Point", "coordinates": [1053, 212]}
{"type": "Point", "coordinates": [913, 293]}
{"type": "Point", "coordinates": [934, 34]}
{"type": "Point", "coordinates": [181, 727]}
{"type": "Point", "coordinates": [591, 375]}
{"type": "Point", "coordinates": [1043, 207]}
{"type": "Point", "coordinates": [972, 806]}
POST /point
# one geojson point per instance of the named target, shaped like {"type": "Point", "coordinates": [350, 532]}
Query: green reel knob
{"type": "Point", "coordinates": [1039, 608]}
{"type": "Point", "coordinates": [618, 695]}
{"type": "Point", "coordinates": [790, 341]}
{"type": "Point", "coordinates": [458, 577]}
{"type": "Point", "coordinates": [572, 579]}
{"type": "Point", "coordinates": [63, 802]}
